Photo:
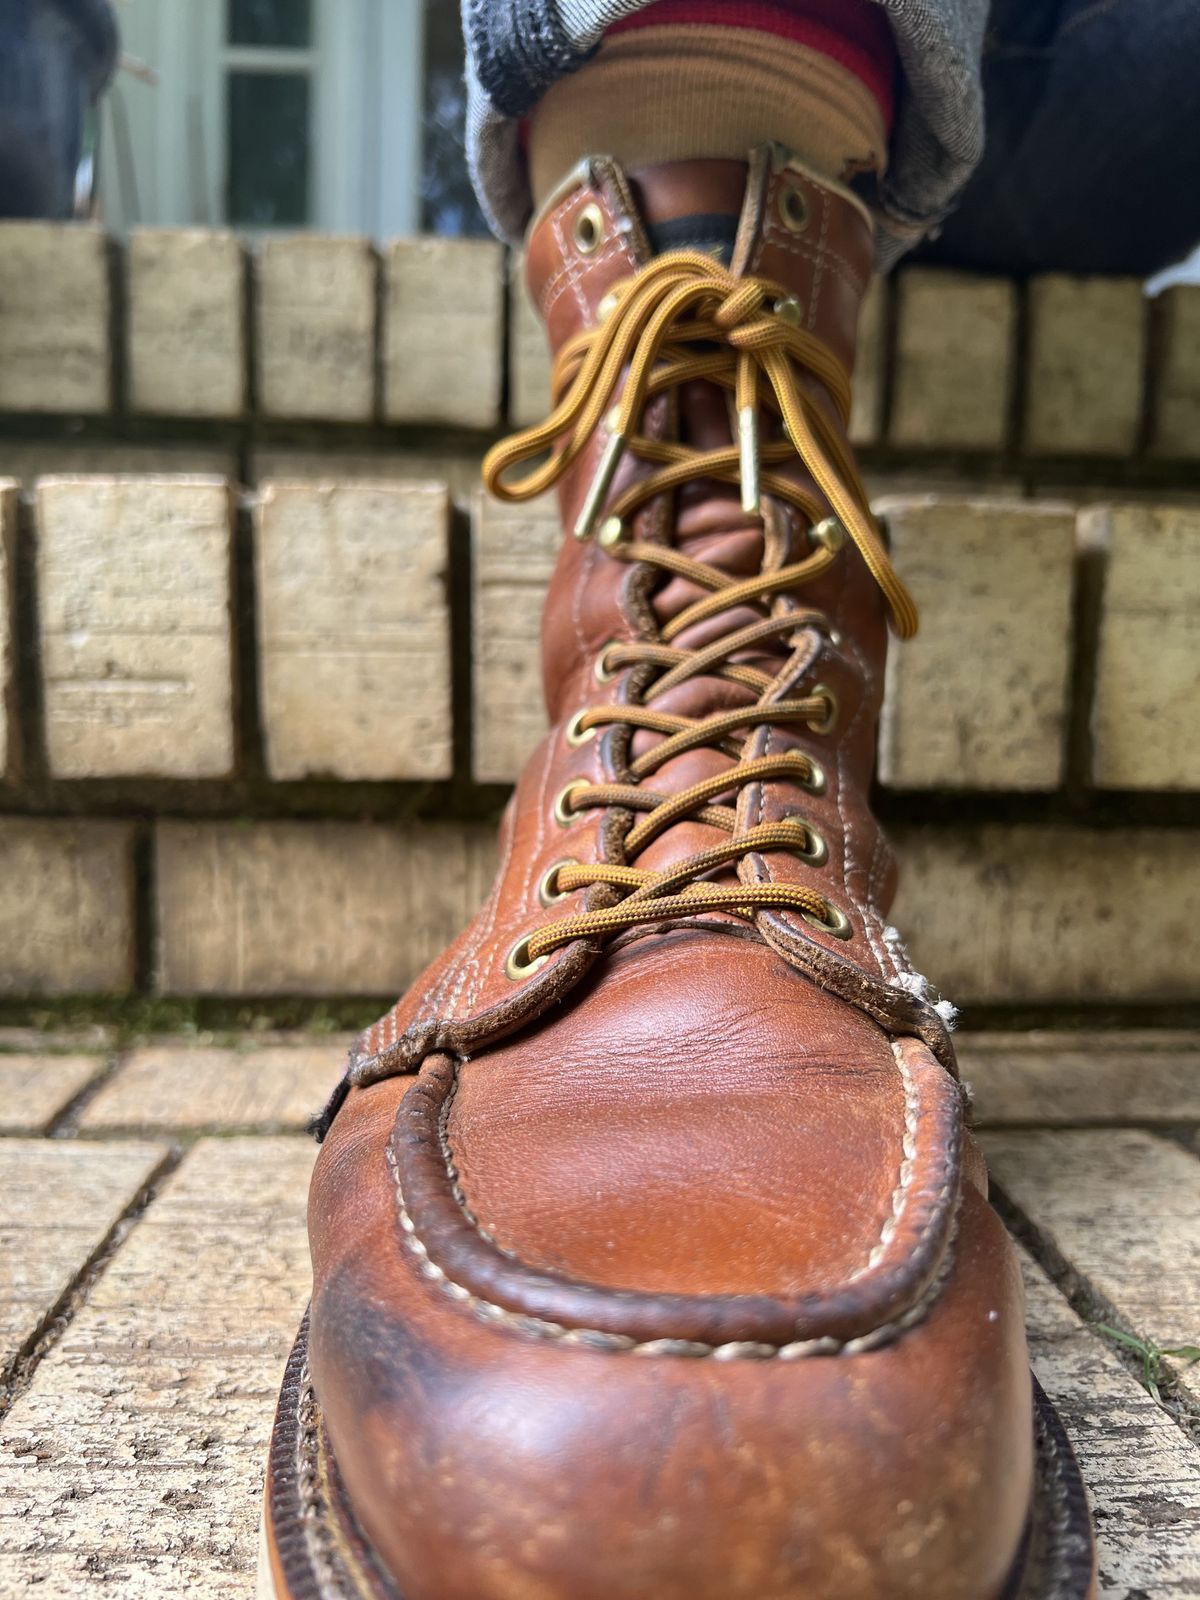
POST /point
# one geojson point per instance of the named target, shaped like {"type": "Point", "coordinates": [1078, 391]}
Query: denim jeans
{"type": "Point", "coordinates": [1092, 161]}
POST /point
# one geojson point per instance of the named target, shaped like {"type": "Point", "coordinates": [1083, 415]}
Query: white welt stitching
{"type": "Point", "coordinates": [619, 1343]}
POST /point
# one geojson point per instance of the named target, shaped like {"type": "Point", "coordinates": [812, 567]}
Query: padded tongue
{"type": "Point", "coordinates": [692, 205]}
{"type": "Point", "coordinates": [713, 232]}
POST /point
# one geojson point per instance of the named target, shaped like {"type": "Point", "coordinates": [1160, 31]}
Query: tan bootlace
{"type": "Point", "coordinates": [681, 319]}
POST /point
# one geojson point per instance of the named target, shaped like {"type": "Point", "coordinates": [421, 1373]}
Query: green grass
{"type": "Point", "coordinates": [1151, 1354]}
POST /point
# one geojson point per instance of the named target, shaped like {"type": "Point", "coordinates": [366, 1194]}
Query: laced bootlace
{"type": "Point", "coordinates": [681, 319]}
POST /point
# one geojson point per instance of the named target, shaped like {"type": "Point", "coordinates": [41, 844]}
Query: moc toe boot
{"type": "Point", "coordinates": [652, 1256]}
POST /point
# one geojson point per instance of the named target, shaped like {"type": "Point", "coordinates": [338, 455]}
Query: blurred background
{"type": "Point", "coordinates": [342, 115]}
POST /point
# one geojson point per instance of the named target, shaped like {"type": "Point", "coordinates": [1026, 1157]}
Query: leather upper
{"type": "Point", "coordinates": [670, 1272]}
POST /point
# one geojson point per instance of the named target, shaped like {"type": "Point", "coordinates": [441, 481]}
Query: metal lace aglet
{"type": "Point", "coordinates": [748, 449]}
{"type": "Point", "coordinates": [601, 483]}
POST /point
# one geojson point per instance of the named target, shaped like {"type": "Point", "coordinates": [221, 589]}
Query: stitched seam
{"type": "Point", "coordinates": [908, 1150]}
{"type": "Point", "coordinates": [539, 1327]}
{"type": "Point", "coordinates": [623, 1344]}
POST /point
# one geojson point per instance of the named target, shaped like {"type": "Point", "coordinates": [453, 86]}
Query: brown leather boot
{"type": "Point", "coordinates": [652, 1258]}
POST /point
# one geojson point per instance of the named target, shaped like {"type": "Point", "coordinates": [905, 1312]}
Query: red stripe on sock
{"type": "Point", "coordinates": [855, 33]}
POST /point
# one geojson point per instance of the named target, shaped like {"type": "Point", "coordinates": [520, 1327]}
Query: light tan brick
{"type": "Point", "coordinates": [1142, 1471]}
{"type": "Point", "coordinates": [1033, 913]}
{"type": "Point", "coordinates": [312, 908]}
{"type": "Point", "coordinates": [1147, 705]}
{"type": "Point", "coordinates": [57, 1202]}
{"type": "Point", "coordinates": [1058, 1076]}
{"type": "Point", "coordinates": [978, 700]}
{"type": "Point", "coordinates": [954, 360]}
{"type": "Point", "coordinates": [440, 460]}
{"type": "Point", "coordinates": [8, 706]}
{"type": "Point", "coordinates": [1177, 400]}
{"type": "Point", "coordinates": [442, 331]}
{"type": "Point", "coordinates": [133, 1464]}
{"type": "Point", "coordinates": [1121, 1207]}
{"type": "Point", "coordinates": [187, 343]}
{"type": "Point", "coordinates": [35, 1088]}
{"type": "Point", "coordinates": [315, 304]}
{"type": "Point", "coordinates": [54, 318]}
{"type": "Point", "coordinates": [1087, 343]}
{"type": "Point", "coordinates": [529, 354]}
{"type": "Point", "coordinates": [66, 907]}
{"type": "Point", "coordinates": [134, 594]}
{"type": "Point", "coordinates": [515, 547]}
{"type": "Point", "coordinates": [866, 410]}
{"type": "Point", "coordinates": [355, 632]}
{"type": "Point", "coordinates": [191, 1087]}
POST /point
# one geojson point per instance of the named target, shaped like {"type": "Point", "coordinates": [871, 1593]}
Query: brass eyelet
{"type": "Point", "coordinates": [613, 532]}
{"type": "Point", "coordinates": [829, 721]}
{"type": "Point", "coordinates": [588, 229]}
{"type": "Point", "coordinates": [835, 637]}
{"type": "Point", "coordinates": [816, 852]}
{"type": "Point", "coordinates": [793, 208]}
{"type": "Point", "coordinates": [815, 782]}
{"type": "Point", "coordinates": [838, 924]}
{"type": "Point", "coordinates": [564, 812]}
{"type": "Point", "coordinates": [600, 672]}
{"type": "Point", "coordinates": [576, 734]}
{"type": "Point", "coordinates": [830, 533]}
{"type": "Point", "coordinates": [547, 893]}
{"type": "Point", "coordinates": [790, 310]}
{"type": "Point", "coordinates": [517, 966]}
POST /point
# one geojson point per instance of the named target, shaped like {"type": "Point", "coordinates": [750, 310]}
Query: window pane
{"type": "Point", "coordinates": [267, 178]}
{"type": "Point", "coordinates": [283, 24]}
{"type": "Point", "coordinates": [448, 204]}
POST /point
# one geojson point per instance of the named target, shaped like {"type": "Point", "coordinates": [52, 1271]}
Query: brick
{"type": "Point", "coordinates": [1120, 1206]}
{"type": "Point", "coordinates": [194, 1087]}
{"type": "Point", "coordinates": [187, 341]}
{"type": "Point", "coordinates": [1087, 342]}
{"type": "Point", "coordinates": [355, 629]}
{"type": "Point", "coordinates": [978, 700]}
{"type": "Point", "coordinates": [66, 907]}
{"type": "Point", "coordinates": [54, 318]}
{"type": "Point", "coordinates": [954, 360]}
{"type": "Point", "coordinates": [35, 1088]}
{"type": "Point", "coordinates": [441, 461]}
{"type": "Point", "coordinates": [312, 908]}
{"type": "Point", "coordinates": [58, 1200]}
{"type": "Point", "coordinates": [133, 1464]}
{"type": "Point", "coordinates": [1060, 1077]}
{"type": "Point", "coordinates": [515, 547]}
{"type": "Point", "coordinates": [1148, 660]}
{"type": "Point", "coordinates": [866, 410]}
{"type": "Point", "coordinates": [315, 304]}
{"type": "Point", "coordinates": [1142, 1472]}
{"type": "Point", "coordinates": [134, 595]}
{"type": "Point", "coordinates": [529, 356]}
{"type": "Point", "coordinates": [1041, 913]}
{"type": "Point", "coordinates": [442, 331]}
{"type": "Point", "coordinates": [1177, 396]}
{"type": "Point", "coordinates": [8, 706]}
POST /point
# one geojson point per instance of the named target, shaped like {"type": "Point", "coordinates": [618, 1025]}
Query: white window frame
{"type": "Point", "coordinates": [367, 98]}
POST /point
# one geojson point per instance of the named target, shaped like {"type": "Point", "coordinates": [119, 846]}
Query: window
{"type": "Point", "coordinates": [268, 66]}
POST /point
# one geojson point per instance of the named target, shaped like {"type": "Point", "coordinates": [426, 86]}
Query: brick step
{"type": "Point", "coordinates": [154, 1308]}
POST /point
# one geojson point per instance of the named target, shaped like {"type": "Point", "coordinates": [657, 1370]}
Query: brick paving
{"type": "Point", "coordinates": [154, 1268]}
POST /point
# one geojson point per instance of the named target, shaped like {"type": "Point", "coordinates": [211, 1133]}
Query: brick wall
{"type": "Point", "coordinates": [269, 660]}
